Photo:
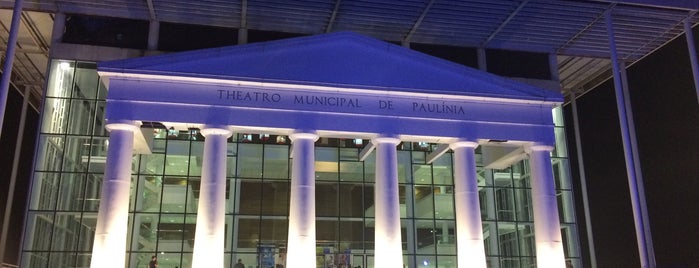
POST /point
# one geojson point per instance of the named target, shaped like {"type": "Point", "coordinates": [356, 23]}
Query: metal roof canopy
{"type": "Point", "coordinates": [573, 30]}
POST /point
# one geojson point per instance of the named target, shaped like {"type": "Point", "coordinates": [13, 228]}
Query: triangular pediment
{"type": "Point", "coordinates": [342, 59]}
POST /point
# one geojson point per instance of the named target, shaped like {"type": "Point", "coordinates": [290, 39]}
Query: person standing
{"type": "Point", "coordinates": [153, 262]}
{"type": "Point", "coordinates": [239, 264]}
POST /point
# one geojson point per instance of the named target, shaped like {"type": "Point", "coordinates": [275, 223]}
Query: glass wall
{"type": "Point", "coordinates": [165, 191]}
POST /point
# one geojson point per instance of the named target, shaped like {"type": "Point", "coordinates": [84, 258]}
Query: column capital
{"type": "Point", "coordinates": [385, 139]}
{"type": "Point", "coordinates": [538, 147]}
{"type": "Point", "coordinates": [303, 135]}
{"type": "Point", "coordinates": [122, 125]}
{"type": "Point", "coordinates": [464, 143]}
{"type": "Point", "coordinates": [216, 130]}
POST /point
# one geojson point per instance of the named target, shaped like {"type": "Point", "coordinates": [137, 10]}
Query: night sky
{"type": "Point", "coordinates": [666, 116]}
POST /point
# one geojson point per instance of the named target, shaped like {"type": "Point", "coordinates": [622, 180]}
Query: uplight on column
{"type": "Point", "coordinates": [388, 249]}
{"type": "Point", "coordinates": [210, 229]}
{"type": "Point", "coordinates": [109, 247]}
{"type": "Point", "coordinates": [547, 228]}
{"type": "Point", "coordinates": [301, 245]}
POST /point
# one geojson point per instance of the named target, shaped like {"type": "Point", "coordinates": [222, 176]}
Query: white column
{"type": "Point", "coordinates": [109, 247]}
{"type": "Point", "coordinates": [211, 220]}
{"type": "Point", "coordinates": [301, 245]}
{"type": "Point", "coordinates": [469, 229]}
{"type": "Point", "coordinates": [547, 227]}
{"type": "Point", "coordinates": [388, 250]}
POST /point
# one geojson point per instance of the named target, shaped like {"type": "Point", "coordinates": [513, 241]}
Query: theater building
{"type": "Point", "coordinates": [333, 150]}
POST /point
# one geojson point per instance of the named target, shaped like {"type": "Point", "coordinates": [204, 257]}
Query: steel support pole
{"type": "Point", "coordinates": [9, 58]}
{"type": "Point", "coordinates": [692, 53]}
{"type": "Point", "coordinates": [637, 203]}
{"type": "Point", "coordinates": [13, 177]}
{"type": "Point", "coordinates": [583, 183]}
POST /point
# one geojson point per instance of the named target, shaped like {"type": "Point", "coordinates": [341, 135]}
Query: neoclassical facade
{"type": "Point", "coordinates": [393, 117]}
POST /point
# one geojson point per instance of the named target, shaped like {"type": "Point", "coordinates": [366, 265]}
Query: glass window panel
{"type": "Point", "coordinates": [521, 175]}
{"type": "Point", "coordinates": [83, 259]}
{"type": "Point", "coordinates": [327, 199]}
{"type": "Point", "coordinates": [169, 259]}
{"type": "Point", "coordinates": [249, 260]}
{"type": "Point", "coordinates": [326, 165]}
{"type": "Point", "coordinates": [171, 230]}
{"type": "Point", "coordinates": [81, 116]}
{"type": "Point", "coordinates": [327, 232]}
{"type": "Point", "coordinates": [561, 173]}
{"type": "Point", "coordinates": [55, 115]}
{"type": "Point", "coordinates": [190, 224]}
{"type": "Point", "coordinates": [418, 157]}
{"type": "Point", "coordinates": [351, 198]}
{"type": "Point", "coordinates": [566, 209]}
{"type": "Point", "coordinates": [276, 161]}
{"type": "Point", "coordinates": [102, 90]}
{"type": "Point", "coordinates": [404, 167]}
{"type": "Point", "coordinates": [444, 202]}
{"type": "Point", "coordinates": [274, 231]}
{"type": "Point", "coordinates": [152, 164]}
{"type": "Point", "coordinates": [524, 205]}
{"type": "Point", "coordinates": [275, 198]}
{"type": "Point", "coordinates": [177, 158]}
{"type": "Point", "coordinates": [61, 78]}
{"type": "Point", "coordinates": [349, 154]}
{"type": "Point", "coordinates": [446, 261]}
{"type": "Point", "coordinates": [98, 155]}
{"type": "Point", "coordinates": [196, 158]}
{"type": "Point", "coordinates": [426, 261]}
{"type": "Point", "coordinates": [560, 149]}
{"type": "Point", "coordinates": [490, 238]}
{"type": "Point", "coordinates": [369, 200]}
{"type": "Point", "coordinates": [231, 166]}
{"type": "Point", "coordinates": [39, 227]}
{"type": "Point", "coordinates": [86, 81]}
{"type": "Point", "coordinates": [486, 197]}
{"type": "Point", "coordinates": [87, 232]}
{"type": "Point", "coordinates": [65, 231]}
{"type": "Point", "coordinates": [442, 170]}
{"type": "Point", "coordinates": [174, 195]}
{"type": "Point", "coordinates": [71, 192]}
{"type": "Point", "coordinates": [248, 233]}
{"type": "Point", "coordinates": [49, 153]}
{"type": "Point", "coordinates": [445, 236]}
{"type": "Point", "coordinates": [352, 234]}
{"type": "Point", "coordinates": [249, 164]}
{"type": "Point", "coordinates": [93, 189]}
{"type": "Point", "coordinates": [150, 188]}
{"type": "Point", "coordinates": [425, 239]}
{"type": "Point", "coordinates": [422, 174]}
{"type": "Point", "coordinates": [369, 232]}
{"type": "Point", "coordinates": [44, 191]}
{"type": "Point", "coordinates": [62, 259]}
{"type": "Point", "coordinates": [99, 123]}
{"type": "Point", "coordinates": [76, 154]}
{"type": "Point", "coordinates": [526, 239]}
{"type": "Point", "coordinates": [505, 204]}
{"type": "Point", "coordinates": [507, 239]}
{"type": "Point", "coordinates": [250, 197]}
{"type": "Point", "coordinates": [424, 202]}
{"type": "Point", "coordinates": [568, 235]}
{"type": "Point", "coordinates": [370, 167]}
{"type": "Point", "coordinates": [145, 234]}
{"type": "Point", "coordinates": [351, 171]}
{"type": "Point", "coordinates": [502, 178]}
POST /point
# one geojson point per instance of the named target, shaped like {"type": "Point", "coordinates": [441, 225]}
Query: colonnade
{"type": "Point", "coordinates": [111, 231]}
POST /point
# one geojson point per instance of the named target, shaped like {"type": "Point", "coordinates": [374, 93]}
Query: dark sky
{"type": "Point", "coordinates": [666, 116]}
